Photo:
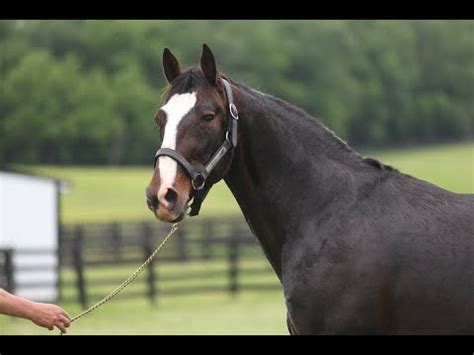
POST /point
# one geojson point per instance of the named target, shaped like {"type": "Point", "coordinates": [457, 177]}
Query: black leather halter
{"type": "Point", "coordinates": [198, 173]}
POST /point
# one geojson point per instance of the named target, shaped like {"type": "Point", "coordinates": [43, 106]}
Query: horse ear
{"type": "Point", "coordinates": [208, 64]}
{"type": "Point", "coordinates": [170, 65]}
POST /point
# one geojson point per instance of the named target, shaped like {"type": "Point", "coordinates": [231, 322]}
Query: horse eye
{"type": "Point", "coordinates": [207, 118]}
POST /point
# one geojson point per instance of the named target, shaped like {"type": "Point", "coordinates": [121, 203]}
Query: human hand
{"type": "Point", "coordinates": [50, 316]}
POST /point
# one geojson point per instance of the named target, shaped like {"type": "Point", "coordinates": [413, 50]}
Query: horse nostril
{"type": "Point", "coordinates": [150, 204]}
{"type": "Point", "coordinates": [171, 197]}
{"type": "Point", "coordinates": [151, 201]}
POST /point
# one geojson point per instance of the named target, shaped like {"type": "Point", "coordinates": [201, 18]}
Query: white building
{"type": "Point", "coordinates": [29, 225]}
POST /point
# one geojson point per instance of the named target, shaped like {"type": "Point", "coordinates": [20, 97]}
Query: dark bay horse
{"type": "Point", "coordinates": [359, 247]}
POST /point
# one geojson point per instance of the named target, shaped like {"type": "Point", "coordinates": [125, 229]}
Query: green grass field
{"type": "Point", "coordinates": [101, 194]}
{"type": "Point", "coordinates": [261, 312]}
{"type": "Point", "coordinates": [104, 194]}
{"type": "Point", "coordinates": [450, 166]}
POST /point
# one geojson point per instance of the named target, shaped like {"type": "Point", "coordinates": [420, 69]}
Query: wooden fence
{"type": "Point", "coordinates": [205, 255]}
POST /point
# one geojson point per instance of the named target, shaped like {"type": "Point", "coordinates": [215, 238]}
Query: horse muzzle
{"type": "Point", "coordinates": [166, 205]}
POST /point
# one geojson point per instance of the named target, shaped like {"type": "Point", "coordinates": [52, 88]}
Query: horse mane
{"type": "Point", "coordinates": [189, 80]}
{"type": "Point", "coordinates": [333, 141]}
{"type": "Point", "coordinates": [379, 165]}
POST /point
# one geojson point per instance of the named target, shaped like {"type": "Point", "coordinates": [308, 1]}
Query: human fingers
{"type": "Point", "coordinates": [61, 326]}
{"type": "Point", "coordinates": [65, 314]}
{"type": "Point", "coordinates": [66, 321]}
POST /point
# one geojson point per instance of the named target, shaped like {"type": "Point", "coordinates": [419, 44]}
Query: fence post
{"type": "Point", "coordinates": [147, 250]}
{"type": "Point", "coordinates": [116, 242]}
{"type": "Point", "coordinates": [206, 239]}
{"type": "Point", "coordinates": [9, 274]}
{"type": "Point", "coordinates": [59, 255]}
{"type": "Point", "coordinates": [181, 244]}
{"type": "Point", "coordinates": [233, 254]}
{"type": "Point", "coordinates": [78, 260]}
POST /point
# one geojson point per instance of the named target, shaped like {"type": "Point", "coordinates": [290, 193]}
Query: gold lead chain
{"type": "Point", "coordinates": [128, 281]}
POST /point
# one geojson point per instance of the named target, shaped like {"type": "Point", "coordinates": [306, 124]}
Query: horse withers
{"type": "Point", "coordinates": [359, 247]}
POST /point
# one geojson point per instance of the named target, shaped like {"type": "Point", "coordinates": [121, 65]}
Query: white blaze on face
{"type": "Point", "coordinates": [176, 108]}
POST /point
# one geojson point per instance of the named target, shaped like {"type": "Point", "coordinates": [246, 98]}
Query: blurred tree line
{"type": "Point", "coordinates": [84, 92]}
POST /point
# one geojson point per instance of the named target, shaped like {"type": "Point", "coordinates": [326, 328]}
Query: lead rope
{"type": "Point", "coordinates": [128, 281]}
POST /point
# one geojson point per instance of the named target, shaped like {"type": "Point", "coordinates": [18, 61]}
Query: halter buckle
{"type": "Point", "coordinates": [233, 111]}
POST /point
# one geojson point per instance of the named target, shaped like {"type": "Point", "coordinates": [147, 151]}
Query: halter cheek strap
{"type": "Point", "coordinates": [198, 173]}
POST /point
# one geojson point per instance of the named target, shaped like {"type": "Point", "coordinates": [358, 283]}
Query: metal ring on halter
{"type": "Point", "coordinates": [233, 111]}
{"type": "Point", "coordinates": [203, 182]}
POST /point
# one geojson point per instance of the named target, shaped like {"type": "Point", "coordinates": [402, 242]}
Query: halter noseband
{"type": "Point", "coordinates": [198, 172]}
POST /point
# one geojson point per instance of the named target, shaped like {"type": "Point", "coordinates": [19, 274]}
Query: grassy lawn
{"type": "Point", "coordinates": [261, 312]}
{"type": "Point", "coordinates": [449, 166]}
{"type": "Point", "coordinates": [103, 194]}
{"type": "Point", "coordinates": [247, 312]}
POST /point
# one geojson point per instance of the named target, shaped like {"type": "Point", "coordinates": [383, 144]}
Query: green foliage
{"type": "Point", "coordinates": [84, 92]}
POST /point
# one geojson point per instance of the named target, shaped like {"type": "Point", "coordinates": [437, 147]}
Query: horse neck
{"type": "Point", "coordinates": [286, 167]}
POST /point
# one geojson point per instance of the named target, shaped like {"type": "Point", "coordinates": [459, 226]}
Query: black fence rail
{"type": "Point", "coordinates": [205, 255]}
{"type": "Point", "coordinates": [6, 270]}
{"type": "Point", "coordinates": [30, 271]}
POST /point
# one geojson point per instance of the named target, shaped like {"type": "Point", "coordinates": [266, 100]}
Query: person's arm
{"type": "Point", "coordinates": [42, 314]}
